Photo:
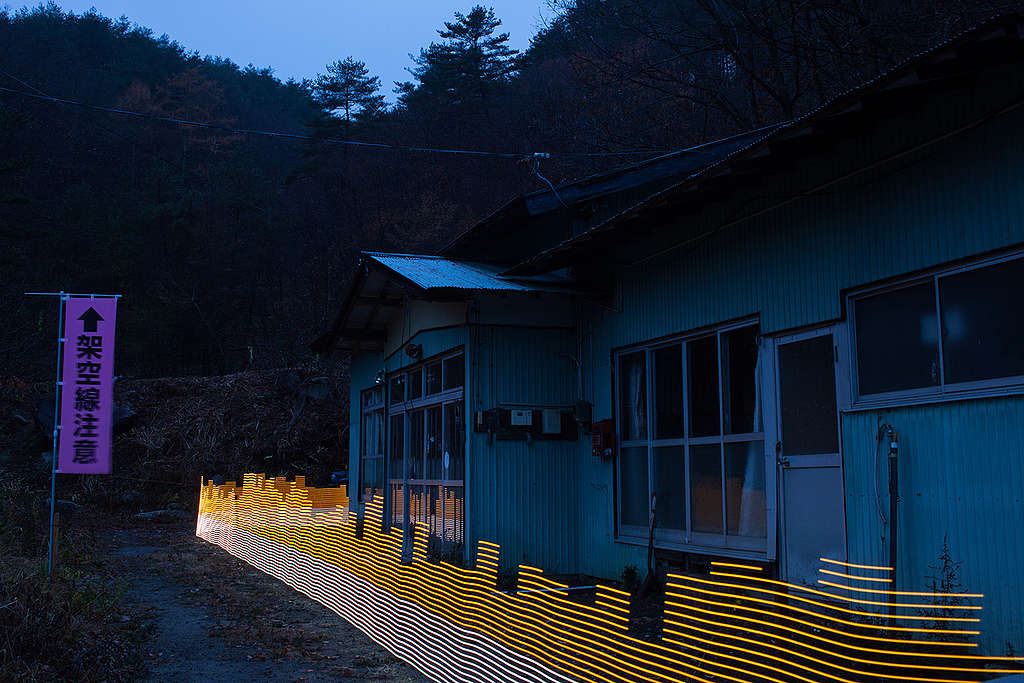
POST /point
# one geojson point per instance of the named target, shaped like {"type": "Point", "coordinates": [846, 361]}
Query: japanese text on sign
{"type": "Point", "coordinates": [86, 405]}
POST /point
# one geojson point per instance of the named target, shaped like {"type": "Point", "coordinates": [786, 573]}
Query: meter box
{"type": "Point", "coordinates": [527, 424]}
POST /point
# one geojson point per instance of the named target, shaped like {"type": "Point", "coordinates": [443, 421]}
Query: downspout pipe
{"type": "Point", "coordinates": [894, 497]}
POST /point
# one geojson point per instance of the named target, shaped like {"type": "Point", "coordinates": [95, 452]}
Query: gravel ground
{"type": "Point", "coordinates": [218, 619]}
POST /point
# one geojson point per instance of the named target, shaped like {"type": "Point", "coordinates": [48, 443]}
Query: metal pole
{"type": "Point", "coordinates": [68, 295]}
{"type": "Point", "coordinates": [56, 428]}
{"type": "Point", "coordinates": [62, 296]}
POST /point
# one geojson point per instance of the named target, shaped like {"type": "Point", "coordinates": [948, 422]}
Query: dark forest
{"type": "Point", "coordinates": [232, 249]}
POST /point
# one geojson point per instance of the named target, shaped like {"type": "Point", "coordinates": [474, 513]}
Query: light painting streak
{"type": "Point", "coordinates": [453, 624]}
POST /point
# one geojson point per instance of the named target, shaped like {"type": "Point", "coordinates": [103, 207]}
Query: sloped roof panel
{"type": "Point", "coordinates": [435, 272]}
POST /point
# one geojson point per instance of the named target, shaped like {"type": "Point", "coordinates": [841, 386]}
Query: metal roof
{"type": "Point", "coordinates": [437, 272]}
{"type": "Point", "coordinates": [384, 282]}
{"type": "Point", "coordinates": [645, 177]}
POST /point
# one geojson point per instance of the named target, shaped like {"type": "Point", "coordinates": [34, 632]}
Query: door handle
{"type": "Point", "coordinates": [783, 462]}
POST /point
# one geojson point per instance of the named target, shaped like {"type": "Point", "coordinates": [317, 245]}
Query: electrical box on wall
{"type": "Point", "coordinates": [584, 414]}
{"type": "Point", "coordinates": [527, 424]}
{"type": "Point", "coordinates": [602, 439]}
{"type": "Point", "coordinates": [485, 421]}
{"type": "Point", "coordinates": [551, 421]}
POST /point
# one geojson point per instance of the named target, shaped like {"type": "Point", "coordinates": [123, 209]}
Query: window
{"type": "Point", "coordinates": [691, 436]}
{"type": "Point", "coordinates": [397, 391]}
{"type": "Point", "coordinates": [426, 457]}
{"type": "Point", "coordinates": [954, 331]}
{"type": "Point", "coordinates": [371, 453]}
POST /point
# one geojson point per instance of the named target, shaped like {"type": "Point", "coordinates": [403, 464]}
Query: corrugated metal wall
{"type": "Point", "coordinates": [962, 477]}
{"type": "Point", "coordinates": [600, 554]}
{"type": "Point", "coordinates": [523, 496]}
{"type": "Point", "coordinates": [552, 504]}
{"type": "Point", "coordinates": [955, 199]}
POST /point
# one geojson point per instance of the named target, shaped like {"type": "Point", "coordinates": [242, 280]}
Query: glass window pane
{"type": "Point", "coordinates": [370, 397]}
{"type": "Point", "coordinates": [706, 488]}
{"type": "Point", "coordinates": [397, 440]}
{"type": "Point", "coordinates": [417, 505]}
{"type": "Point", "coordinates": [370, 435]}
{"type": "Point", "coordinates": [633, 496]}
{"type": "Point", "coordinates": [397, 503]}
{"type": "Point", "coordinates": [371, 463]}
{"type": "Point", "coordinates": [702, 378]}
{"type": "Point", "coordinates": [807, 391]}
{"type": "Point", "coordinates": [745, 503]}
{"type": "Point", "coordinates": [433, 445]}
{"type": "Point", "coordinates": [454, 436]}
{"type": "Point", "coordinates": [373, 478]}
{"type": "Point", "coordinates": [982, 325]}
{"type": "Point", "coordinates": [378, 417]}
{"type": "Point", "coordinates": [373, 434]}
{"type": "Point", "coordinates": [897, 340]}
{"type": "Point", "coordinates": [415, 388]}
{"type": "Point", "coordinates": [740, 411]}
{"type": "Point", "coordinates": [433, 378]}
{"type": "Point", "coordinates": [670, 488]}
{"type": "Point", "coordinates": [416, 448]}
{"type": "Point", "coordinates": [633, 395]}
{"type": "Point", "coordinates": [454, 372]}
{"type": "Point", "coordinates": [668, 392]}
{"type": "Point", "coordinates": [397, 389]}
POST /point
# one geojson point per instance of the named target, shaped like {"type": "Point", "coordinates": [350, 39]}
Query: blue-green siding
{"type": "Point", "coordinates": [551, 504]}
{"type": "Point", "coordinates": [524, 496]}
{"type": "Point", "coordinates": [961, 474]}
{"type": "Point", "coordinates": [955, 199]}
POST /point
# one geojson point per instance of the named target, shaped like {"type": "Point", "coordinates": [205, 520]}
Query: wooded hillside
{"type": "Point", "coordinates": [232, 249]}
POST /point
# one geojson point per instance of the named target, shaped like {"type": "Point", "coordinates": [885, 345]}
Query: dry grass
{"type": "Point", "coordinates": [75, 626]}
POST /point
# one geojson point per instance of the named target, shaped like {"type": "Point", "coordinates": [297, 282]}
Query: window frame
{"type": "Point", "coordinates": [688, 539]}
{"type": "Point", "coordinates": [954, 391]}
{"type": "Point", "coordinates": [424, 399]}
{"type": "Point", "coordinates": [404, 409]}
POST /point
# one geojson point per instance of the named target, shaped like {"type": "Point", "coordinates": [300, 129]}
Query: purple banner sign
{"type": "Point", "coordinates": [87, 394]}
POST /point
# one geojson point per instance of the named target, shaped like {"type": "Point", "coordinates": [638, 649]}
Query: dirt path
{"type": "Point", "coordinates": [217, 619]}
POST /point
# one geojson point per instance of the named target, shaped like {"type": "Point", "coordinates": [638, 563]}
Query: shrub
{"type": "Point", "coordinates": [73, 626]}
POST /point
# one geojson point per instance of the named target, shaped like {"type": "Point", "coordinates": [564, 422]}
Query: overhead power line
{"type": "Point", "coordinates": [39, 95]}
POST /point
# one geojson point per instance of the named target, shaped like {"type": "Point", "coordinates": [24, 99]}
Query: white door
{"type": "Point", "coordinates": [809, 390]}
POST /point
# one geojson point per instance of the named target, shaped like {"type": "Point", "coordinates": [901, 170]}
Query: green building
{"type": "Point", "coordinates": [741, 333]}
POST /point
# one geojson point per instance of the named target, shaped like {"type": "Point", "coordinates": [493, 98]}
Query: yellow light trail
{"type": "Point", "coordinates": [453, 624]}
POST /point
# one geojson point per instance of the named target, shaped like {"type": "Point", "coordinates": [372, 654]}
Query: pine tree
{"type": "Point", "coordinates": [470, 63]}
{"type": "Point", "coordinates": [348, 91]}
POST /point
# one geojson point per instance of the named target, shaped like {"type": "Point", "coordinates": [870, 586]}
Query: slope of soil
{"type": "Point", "coordinates": [173, 431]}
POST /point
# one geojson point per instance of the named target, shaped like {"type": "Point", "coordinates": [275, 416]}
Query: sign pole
{"type": "Point", "coordinates": [90, 319]}
{"type": "Point", "coordinates": [56, 429]}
